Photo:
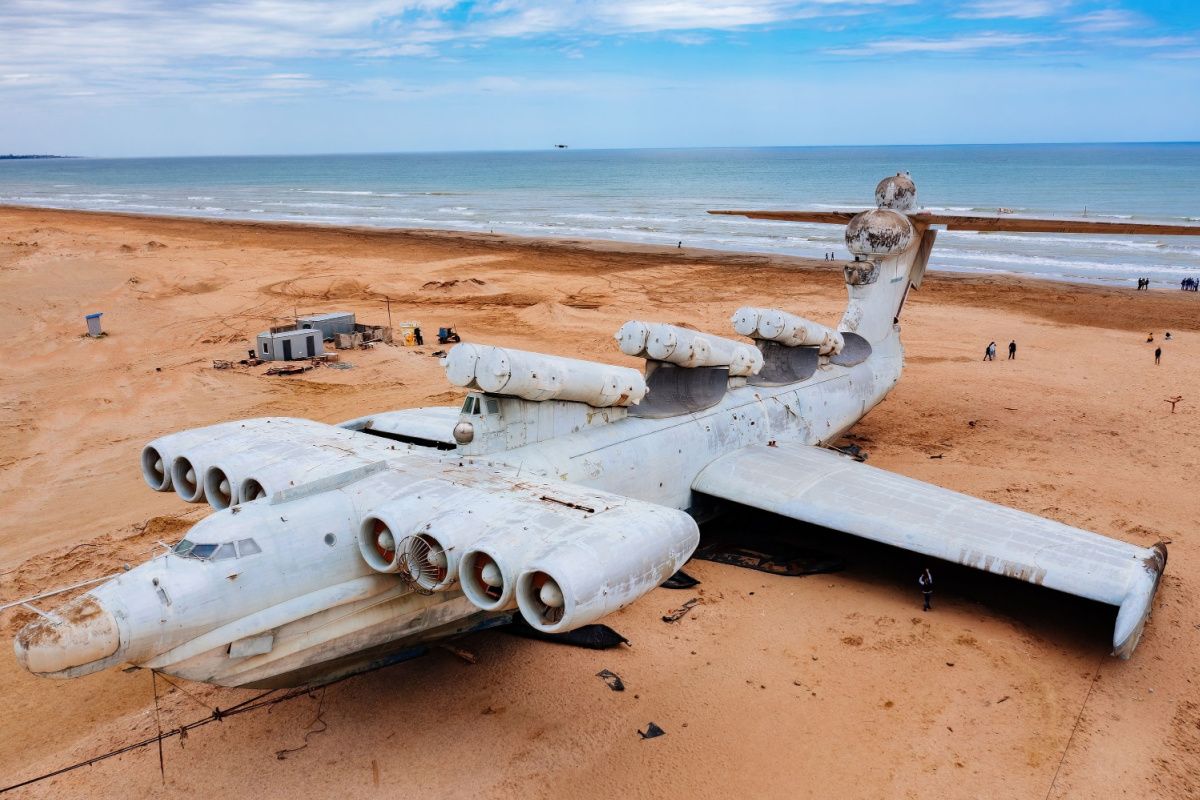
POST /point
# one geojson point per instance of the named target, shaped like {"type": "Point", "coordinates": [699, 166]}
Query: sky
{"type": "Point", "coordinates": [204, 77]}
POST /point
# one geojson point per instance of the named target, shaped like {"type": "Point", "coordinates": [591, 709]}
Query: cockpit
{"type": "Point", "coordinates": [474, 405]}
{"type": "Point", "coordinates": [216, 552]}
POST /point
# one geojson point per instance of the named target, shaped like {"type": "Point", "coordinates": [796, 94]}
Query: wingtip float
{"type": "Point", "coordinates": [562, 490]}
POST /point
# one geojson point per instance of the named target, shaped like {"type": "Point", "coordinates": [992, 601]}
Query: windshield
{"type": "Point", "coordinates": [216, 552]}
{"type": "Point", "coordinates": [202, 550]}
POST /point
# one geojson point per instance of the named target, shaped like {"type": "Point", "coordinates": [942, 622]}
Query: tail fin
{"type": "Point", "coordinates": [890, 257]}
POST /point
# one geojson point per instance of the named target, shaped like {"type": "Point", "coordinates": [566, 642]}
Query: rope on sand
{"type": "Point", "coordinates": [1075, 727]}
{"type": "Point", "coordinates": [252, 704]}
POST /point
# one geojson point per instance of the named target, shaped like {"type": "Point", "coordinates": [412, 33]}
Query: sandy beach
{"type": "Point", "coordinates": [822, 686]}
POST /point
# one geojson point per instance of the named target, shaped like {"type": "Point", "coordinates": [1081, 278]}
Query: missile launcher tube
{"type": "Point", "coordinates": [789, 330]}
{"type": "Point", "coordinates": [687, 348]}
{"type": "Point", "coordinates": [536, 376]}
{"type": "Point", "coordinates": [460, 364]}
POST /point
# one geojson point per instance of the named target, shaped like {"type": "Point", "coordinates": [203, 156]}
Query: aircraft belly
{"type": "Point", "coordinates": [334, 634]}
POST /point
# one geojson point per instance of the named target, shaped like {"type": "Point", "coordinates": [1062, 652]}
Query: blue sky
{"type": "Point", "coordinates": [152, 77]}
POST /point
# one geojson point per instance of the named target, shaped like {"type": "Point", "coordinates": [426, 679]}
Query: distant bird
{"type": "Point", "coordinates": [561, 146]}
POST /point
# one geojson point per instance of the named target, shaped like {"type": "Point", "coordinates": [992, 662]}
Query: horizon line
{"type": "Point", "coordinates": [552, 147]}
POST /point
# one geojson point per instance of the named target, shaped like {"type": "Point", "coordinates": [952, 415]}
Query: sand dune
{"type": "Point", "coordinates": [828, 686]}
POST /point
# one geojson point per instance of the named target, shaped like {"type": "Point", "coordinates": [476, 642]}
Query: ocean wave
{"type": "Point", "coordinates": [1064, 240]}
{"type": "Point", "coordinates": [1057, 265]}
{"type": "Point", "coordinates": [341, 206]}
{"type": "Point", "coordinates": [587, 217]}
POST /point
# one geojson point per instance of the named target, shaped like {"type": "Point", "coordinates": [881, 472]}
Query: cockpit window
{"type": "Point", "coordinates": [491, 405]}
{"type": "Point", "coordinates": [216, 552]}
{"type": "Point", "coordinates": [471, 405]}
{"type": "Point", "coordinates": [202, 551]}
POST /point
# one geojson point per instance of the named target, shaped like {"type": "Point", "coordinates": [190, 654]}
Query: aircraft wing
{"type": "Point", "coordinates": [827, 489]}
{"type": "Point", "coordinates": [997, 223]}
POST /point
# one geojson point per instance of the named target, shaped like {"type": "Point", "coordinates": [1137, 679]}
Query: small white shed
{"type": "Point", "coordinates": [290, 345]}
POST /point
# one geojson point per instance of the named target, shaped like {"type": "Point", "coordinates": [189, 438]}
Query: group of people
{"type": "Point", "coordinates": [1157, 350]}
{"type": "Point", "coordinates": [989, 352]}
{"type": "Point", "coordinates": [831, 256]}
{"type": "Point", "coordinates": [1186, 285]}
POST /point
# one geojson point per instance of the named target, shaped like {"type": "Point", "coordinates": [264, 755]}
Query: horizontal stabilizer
{"type": "Point", "coordinates": [998, 223]}
{"type": "Point", "coordinates": [823, 488]}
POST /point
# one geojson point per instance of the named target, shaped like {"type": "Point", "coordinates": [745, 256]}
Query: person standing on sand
{"type": "Point", "coordinates": [989, 352]}
{"type": "Point", "coordinates": [926, 584]}
{"type": "Point", "coordinates": [1012, 350]}
{"type": "Point", "coordinates": [1157, 355]}
{"type": "Point", "coordinates": [420, 340]}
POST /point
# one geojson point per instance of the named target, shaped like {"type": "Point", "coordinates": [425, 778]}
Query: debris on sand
{"type": "Point", "coordinates": [611, 679]}
{"type": "Point", "coordinates": [652, 732]}
{"type": "Point", "coordinates": [464, 655]}
{"type": "Point", "coordinates": [676, 614]}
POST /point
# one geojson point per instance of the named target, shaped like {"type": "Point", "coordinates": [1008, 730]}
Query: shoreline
{"type": "Point", "coordinates": [1171, 309]}
{"type": "Point", "coordinates": [591, 243]}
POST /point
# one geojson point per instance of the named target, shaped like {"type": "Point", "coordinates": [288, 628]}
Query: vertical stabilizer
{"type": "Point", "coordinates": [890, 255]}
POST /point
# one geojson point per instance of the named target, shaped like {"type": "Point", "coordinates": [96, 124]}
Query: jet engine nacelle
{"type": "Point", "coordinates": [302, 466]}
{"type": "Point", "coordinates": [581, 575]}
{"type": "Point", "coordinates": [288, 458]}
{"type": "Point", "coordinates": [488, 571]}
{"type": "Point", "coordinates": [422, 533]}
{"type": "Point", "coordinates": [190, 465]}
{"type": "Point", "coordinates": [159, 454]}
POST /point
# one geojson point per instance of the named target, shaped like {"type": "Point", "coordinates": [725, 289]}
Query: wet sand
{"type": "Point", "coordinates": [824, 686]}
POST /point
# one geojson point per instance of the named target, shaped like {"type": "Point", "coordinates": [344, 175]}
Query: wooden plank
{"type": "Point", "coordinates": [831, 217]}
{"type": "Point", "coordinates": [1000, 223]}
{"type": "Point", "coordinates": [1010, 224]}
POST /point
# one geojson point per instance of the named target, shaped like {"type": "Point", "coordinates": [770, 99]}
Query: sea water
{"type": "Point", "coordinates": [661, 196]}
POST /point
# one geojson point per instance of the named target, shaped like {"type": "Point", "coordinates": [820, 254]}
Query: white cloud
{"type": "Point", "coordinates": [1154, 41]}
{"type": "Point", "coordinates": [955, 44]}
{"type": "Point", "coordinates": [1009, 9]}
{"type": "Point", "coordinates": [689, 39]}
{"type": "Point", "coordinates": [1109, 19]}
{"type": "Point", "coordinates": [141, 48]}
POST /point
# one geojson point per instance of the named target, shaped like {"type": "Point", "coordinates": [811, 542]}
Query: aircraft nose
{"type": "Point", "coordinates": [79, 633]}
